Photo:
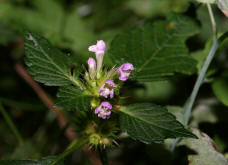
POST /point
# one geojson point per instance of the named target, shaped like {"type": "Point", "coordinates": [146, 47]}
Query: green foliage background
{"type": "Point", "coordinates": [72, 26]}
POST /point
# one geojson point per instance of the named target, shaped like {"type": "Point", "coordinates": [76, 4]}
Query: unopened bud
{"type": "Point", "coordinates": [92, 67]}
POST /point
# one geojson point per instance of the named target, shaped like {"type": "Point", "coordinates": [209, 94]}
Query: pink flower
{"type": "Point", "coordinates": [125, 71]}
{"type": "Point", "coordinates": [104, 110]}
{"type": "Point", "coordinates": [99, 49]}
{"type": "Point", "coordinates": [107, 89]}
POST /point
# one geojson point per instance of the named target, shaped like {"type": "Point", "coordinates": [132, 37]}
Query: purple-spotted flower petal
{"type": "Point", "coordinates": [107, 89]}
{"type": "Point", "coordinates": [99, 49]}
{"type": "Point", "coordinates": [125, 71]}
{"type": "Point", "coordinates": [92, 67]}
{"type": "Point", "coordinates": [104, 110]}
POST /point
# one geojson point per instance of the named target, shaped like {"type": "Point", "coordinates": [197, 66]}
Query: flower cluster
{"type": "Point", "coordinates": [107, 88]}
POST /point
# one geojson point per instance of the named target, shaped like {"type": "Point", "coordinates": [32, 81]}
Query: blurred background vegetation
{"type": "Point", "coordinates": [73, 25]}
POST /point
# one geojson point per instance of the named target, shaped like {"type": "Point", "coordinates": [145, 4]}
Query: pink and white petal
{"type": "Point", "coordinates": [93, 48]}
{"type": "Point", "coordinates": [101, 45]}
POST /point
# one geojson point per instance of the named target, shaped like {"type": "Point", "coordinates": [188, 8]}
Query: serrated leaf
{"type": "Point", "coordinates": [207, 153]}
{"type": "Point", "coordinates": [156, 50]}
{"type": "Point", "coordinates": [177, 112]}
{"type": "Point", "coordinates": [42, 161]}
{"type": "Point", "coordinates": [151, 123]}
{"type": "Point", "coordinates": [73, 98]}
{"type": "Point", "coordinates": [46, 63]}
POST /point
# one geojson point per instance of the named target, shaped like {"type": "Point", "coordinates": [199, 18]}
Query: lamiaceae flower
{"type": "Point", "coordinates": [125, 71]}
{"type": "Point", "coordinates": [92, 67]}
{"type": "Point", "coordinates": [107, 89]}
{"type": "Point", "coordinates": [104, 110]}
{"type": "Point", "coordinates": [99, 49]}
{"type": "Point", "coordinates": [96, 74]}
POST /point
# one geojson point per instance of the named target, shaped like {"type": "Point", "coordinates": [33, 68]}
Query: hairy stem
{"type": "Point", "coordinates": [103, 156]}
{"type": "Point", "coordinates": [11, 125]}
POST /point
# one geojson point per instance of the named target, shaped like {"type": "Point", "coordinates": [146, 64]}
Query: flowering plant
{"type": "Point", "coordinates": [99, 109]}
{"type": "Point", "coordinates": [109, 82]}
{"type": "Point", "coordinates": [93, 96]}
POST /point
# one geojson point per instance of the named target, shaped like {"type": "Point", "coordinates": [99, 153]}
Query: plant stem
{"type": "Point", "coordinates": [189, 103]}
{"type": "Point", "coordinates": [199, 81]}
{"type": "Point", "coordinates": [213, 23]}
{"type": "Point", "coordinates": [11, 125]}
{"type": "Point", "coordinates": [76, 144]}
{"type": "Point", "coordinates": [103, 156]}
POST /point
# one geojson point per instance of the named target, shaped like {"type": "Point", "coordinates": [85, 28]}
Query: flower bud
{"type": "Point", "coordinates": [92, 67]}
{"type": "Point", "coordinates": [95, 102]}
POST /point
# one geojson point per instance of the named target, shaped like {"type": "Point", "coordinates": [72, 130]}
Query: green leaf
{"type": "Point", "coordinates": [42, 161]}
{"type": "Point", "coordinates": [177, 112]}
{"type": "Point", "coordinates": [156, 50]}
{"type": "Point", "coordinates": [207, 153]}
{"type": "Point", "coordinates": [46, 63]}
{"type": "Point", "coordinates": [73, 98]}
{"type": "Point", "coordinates": [151, 123]}
{"type": "Point", "coordinates": [220, 88]}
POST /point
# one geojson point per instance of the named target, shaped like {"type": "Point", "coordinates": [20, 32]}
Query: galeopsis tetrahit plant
{"type": "Point", "coordinates": [92, 94]}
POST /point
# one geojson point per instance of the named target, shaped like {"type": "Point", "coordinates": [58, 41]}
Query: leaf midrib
{"type": "Point", "coordinates": [155, 53]}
